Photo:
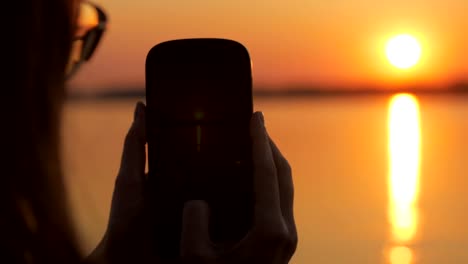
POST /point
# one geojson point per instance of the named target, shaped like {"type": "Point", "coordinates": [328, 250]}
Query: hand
{"type": "Point", "coordinates": [273, 237]}
{"type": "Point", "coordinates": [127, 239]}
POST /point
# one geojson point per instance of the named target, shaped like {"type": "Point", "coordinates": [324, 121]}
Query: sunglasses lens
{"type": "Point", "coordinates": [89, 28]}
{"type": "Point", "coordinates": [88, 18]}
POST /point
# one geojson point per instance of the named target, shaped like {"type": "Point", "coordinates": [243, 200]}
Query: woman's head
{"type": "Point", "coordinates": [36, 224]}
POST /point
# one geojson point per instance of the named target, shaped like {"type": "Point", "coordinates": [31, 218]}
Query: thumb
{"type": "Point", "coordinates": [195, 240]}
{"type": "Point", "coordinates": [132, 168]}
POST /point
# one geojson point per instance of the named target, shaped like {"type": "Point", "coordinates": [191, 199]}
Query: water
{"type": "Point", "coordinates": [337, 147]}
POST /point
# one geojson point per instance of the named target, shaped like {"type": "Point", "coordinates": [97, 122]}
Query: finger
{"type": "Point", "coordinates": [285, 184]}
{"type": "Point", "coordinates": [195, 240]}
{"type": "Point", "coordinates": [132, 168]}
{"type": "Point", "coordinates": [267, 203]}
{"type": "Point", "coordinates": [286, 188]}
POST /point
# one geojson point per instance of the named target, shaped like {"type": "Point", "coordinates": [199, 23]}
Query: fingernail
{"type": "Point", "coordinates": [262, 118]}
{"type": "Point", "coordinates": [137, 112]}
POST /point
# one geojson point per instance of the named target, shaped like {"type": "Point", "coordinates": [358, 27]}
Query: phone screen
{"type": "Point", "coordinates": [199, 105]}
{"type": "Point", "coordinates": [199, 113]}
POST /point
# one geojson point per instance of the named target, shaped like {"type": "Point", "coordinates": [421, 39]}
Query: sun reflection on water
{"type": "Point", "coordinates": [404, 146]}
{"type": "Point", "coordinates": [401, 255]}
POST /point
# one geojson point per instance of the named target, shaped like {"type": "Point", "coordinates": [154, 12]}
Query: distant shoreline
{"type": "Point", "coordinates": [284, 93]}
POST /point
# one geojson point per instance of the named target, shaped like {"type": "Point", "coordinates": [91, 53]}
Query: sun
{"type": "Point", "coordinates": [403, 51]}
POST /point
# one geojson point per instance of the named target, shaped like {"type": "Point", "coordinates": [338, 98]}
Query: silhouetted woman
{"type": "Point", "coordinates": [44, 41]}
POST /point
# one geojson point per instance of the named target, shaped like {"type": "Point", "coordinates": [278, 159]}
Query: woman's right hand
{"type": "Point", "coordinates": [273, 237]}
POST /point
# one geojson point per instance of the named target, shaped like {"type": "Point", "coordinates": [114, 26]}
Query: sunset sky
{"type": "Point", "coordinates": [291, 43]}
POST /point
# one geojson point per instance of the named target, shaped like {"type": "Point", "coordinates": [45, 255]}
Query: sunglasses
{"type": "Point", "coordinates": [91, 24]}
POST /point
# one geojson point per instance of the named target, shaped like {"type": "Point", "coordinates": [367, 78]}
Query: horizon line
{"type": "Point", "coordinates": [460, 88]}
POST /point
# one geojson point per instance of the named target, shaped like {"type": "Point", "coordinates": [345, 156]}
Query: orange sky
{"type": "Point", "coordinates": [294, 42]}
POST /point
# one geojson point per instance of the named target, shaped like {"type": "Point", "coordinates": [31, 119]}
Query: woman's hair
{"type": "Point", "coordinates": [34, 222]}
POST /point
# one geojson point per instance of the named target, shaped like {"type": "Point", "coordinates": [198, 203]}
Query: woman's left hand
{"type": "Point", "coordinates": [127, 239]}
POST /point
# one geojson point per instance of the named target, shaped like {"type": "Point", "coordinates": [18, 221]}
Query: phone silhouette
{"type": "Point", "coordinates": [199, 106]}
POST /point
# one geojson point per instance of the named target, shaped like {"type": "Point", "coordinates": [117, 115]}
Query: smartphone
{"type": "Point", "coordinates": [199, 106]}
